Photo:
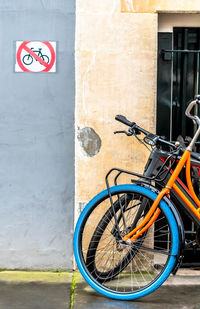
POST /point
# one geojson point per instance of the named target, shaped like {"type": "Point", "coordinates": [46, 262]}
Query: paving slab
{"type": "Point", "coordinates": [35, 290]}
{"type": "Point", "coordinates": [166, 297]}
{"type": "Point", "coordinates": [29, 295]}
{"type": "Point", "coordinates": [179, 292]}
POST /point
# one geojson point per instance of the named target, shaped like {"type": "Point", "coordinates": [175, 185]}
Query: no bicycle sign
{"type": "Point", "coordinates": [35, 56]}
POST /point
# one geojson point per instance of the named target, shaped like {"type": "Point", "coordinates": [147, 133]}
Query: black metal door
{"type": "Point", "coordinates": [178, 83]}
{"type": "Point", "coordinates": [178, 80]}
{"type": "Point", "coordinates": [185, 78]}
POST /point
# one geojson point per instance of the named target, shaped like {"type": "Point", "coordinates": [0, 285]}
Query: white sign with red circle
{"type": "Point", "coordinates": [35, 56]}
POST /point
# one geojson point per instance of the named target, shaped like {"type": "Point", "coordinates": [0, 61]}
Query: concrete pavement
{"type": "Point", "coordinates": [64, 290]}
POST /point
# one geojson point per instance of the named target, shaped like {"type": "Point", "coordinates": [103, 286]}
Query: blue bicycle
{"type": "Point", "coordinates": [130, 237]}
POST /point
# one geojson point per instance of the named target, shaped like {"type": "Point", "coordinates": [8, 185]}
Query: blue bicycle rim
{"type": "Point", "coordinates": [172, 259]}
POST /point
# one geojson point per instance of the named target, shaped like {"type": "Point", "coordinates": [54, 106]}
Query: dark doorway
{"type": "Point", "coordinates": [185, 78]}
{"type": "Point", "coordinates": [178, 83]}
{"type": "Point", "coordinates": [178, 80]}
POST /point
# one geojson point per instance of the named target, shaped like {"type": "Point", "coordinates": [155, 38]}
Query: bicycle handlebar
{"type": "Point", "coordinates": [135, 129]}
{"type": "Point", "coordinates": [124, 120]}
{"type": "Point", "coordinates": [196, 119]}
{"type": "Point", "coordinates": [189, 108]}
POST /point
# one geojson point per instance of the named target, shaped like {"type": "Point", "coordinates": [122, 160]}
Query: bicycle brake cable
{"type": "Point", "coordinates": [141, 142]}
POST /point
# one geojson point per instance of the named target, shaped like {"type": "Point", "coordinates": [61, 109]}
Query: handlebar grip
{"type": "Point", "coordinates": [123, 119]}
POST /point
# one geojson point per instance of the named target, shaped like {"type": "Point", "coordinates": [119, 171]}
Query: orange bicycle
{"type": "Point", "coordinates": [130, 237]}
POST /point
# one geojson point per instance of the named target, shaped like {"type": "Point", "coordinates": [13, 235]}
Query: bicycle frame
{"type": "Point", "coordinates": [155, 163]}
{"type": "Point", "coordinates": [194, 208]}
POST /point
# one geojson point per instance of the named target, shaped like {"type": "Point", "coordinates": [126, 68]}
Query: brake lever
{"type": "Point", "coordinates": [125, 132]}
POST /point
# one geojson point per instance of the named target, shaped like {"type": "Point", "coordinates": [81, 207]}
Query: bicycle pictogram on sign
{"type": "Point", "coordinates": [28, 59]}
{"type": "Point", "coordinates": [35, 56]}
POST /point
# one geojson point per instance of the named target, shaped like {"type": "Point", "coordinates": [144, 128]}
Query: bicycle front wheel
{"type": "Point", "coordinates": [125, 271]}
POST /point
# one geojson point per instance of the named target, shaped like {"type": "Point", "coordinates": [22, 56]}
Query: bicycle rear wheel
{"type": "Point", "coordinates": [125, 271]}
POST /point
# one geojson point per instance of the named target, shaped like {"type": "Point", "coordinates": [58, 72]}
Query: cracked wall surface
{"type": "Point", "coordinates": [89, 141]}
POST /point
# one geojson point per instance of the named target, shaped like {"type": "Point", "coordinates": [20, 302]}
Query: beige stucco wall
{"type": "Point", "coordinates": [115, 74]}
{"type": "Point", "coordinates": [152, 6]}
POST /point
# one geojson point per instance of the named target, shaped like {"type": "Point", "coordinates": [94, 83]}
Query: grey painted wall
{"type": "Point", "coordinates": [36, 139]}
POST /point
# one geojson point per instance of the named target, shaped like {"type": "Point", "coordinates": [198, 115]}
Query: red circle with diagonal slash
{"type": "Point", "coordinates": [47, 66]}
